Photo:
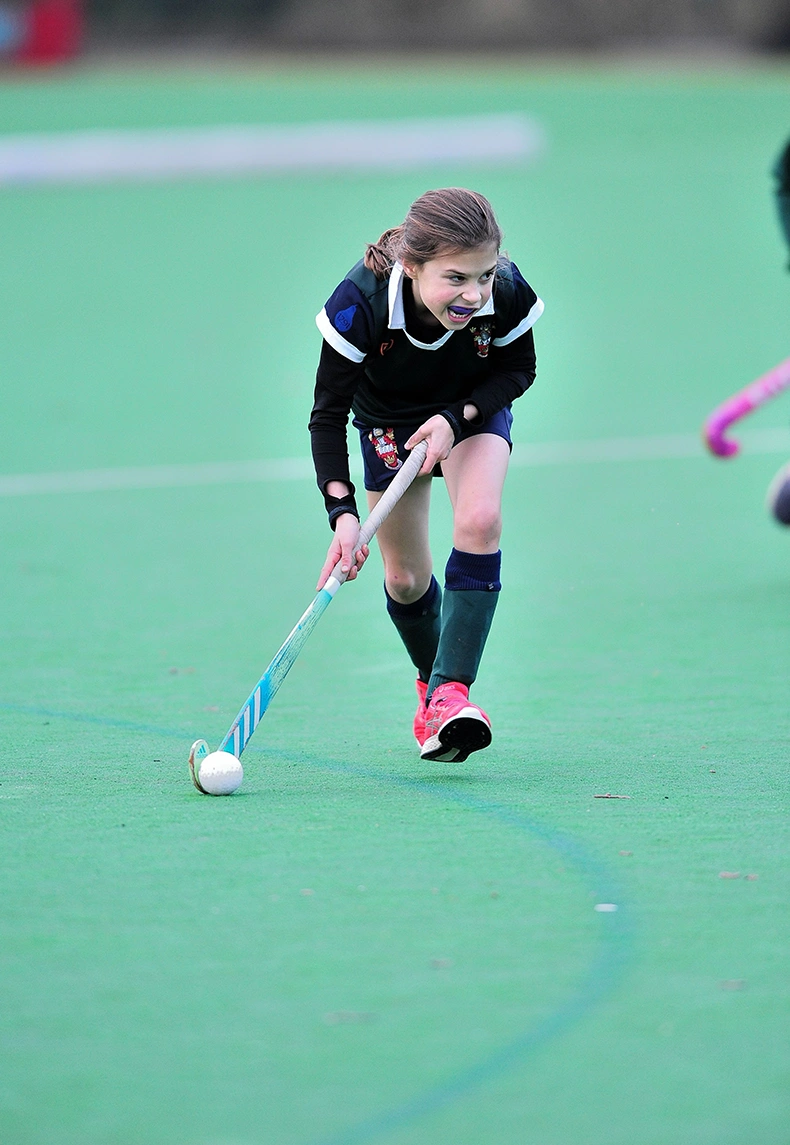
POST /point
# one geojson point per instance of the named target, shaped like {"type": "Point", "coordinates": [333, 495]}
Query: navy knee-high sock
{"type": "Point", "coordinates": [418, 626]}
{"type": "Point", "coordinates": [471, 593]}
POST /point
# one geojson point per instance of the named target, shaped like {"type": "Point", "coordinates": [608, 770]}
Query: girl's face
{"type": "Point", "coordinates": [451, 288]}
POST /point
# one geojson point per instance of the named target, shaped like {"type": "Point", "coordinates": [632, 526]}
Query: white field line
{"type": "Point", "coordinates": [661, 447]}
{"type": "Point", "coordinates": [664, 447]}
{"type": "Point", "coordinates": [156, 476]}
{"type": "Point", "coordinates": [170, 153]}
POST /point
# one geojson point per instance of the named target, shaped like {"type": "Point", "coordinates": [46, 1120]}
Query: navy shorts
{"type": "Point", "coordinates": [383, 450]}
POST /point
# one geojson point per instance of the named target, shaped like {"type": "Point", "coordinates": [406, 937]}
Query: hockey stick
{"type": "Point", "coordinates": [747, 400]}
{"type": "Point", "coordinates": [239, 732]}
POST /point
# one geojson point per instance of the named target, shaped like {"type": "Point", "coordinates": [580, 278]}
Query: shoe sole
{"type": "Point", "coordinates": [464, 733]}
{"type": "Point", "coordinates": [777, 498]}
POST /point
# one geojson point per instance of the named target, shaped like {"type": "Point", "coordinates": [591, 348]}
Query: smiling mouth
{"type": "Point", "coordinates": [460, 312]}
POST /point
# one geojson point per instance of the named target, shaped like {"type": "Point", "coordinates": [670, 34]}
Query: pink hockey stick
{"type": "Point", "coordinates": [739, 405]}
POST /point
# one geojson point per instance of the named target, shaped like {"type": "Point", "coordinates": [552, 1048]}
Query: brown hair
{"type": "Point", "coordinates": [439, 222]}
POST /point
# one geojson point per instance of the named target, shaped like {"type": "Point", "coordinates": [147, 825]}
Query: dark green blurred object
{"type": "Point", "coordinates": [782, 173]}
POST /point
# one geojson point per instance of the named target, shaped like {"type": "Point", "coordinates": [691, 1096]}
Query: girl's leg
{"type": "Point", "coordinates": [413, 595]}
{"type": "Point", "coordinates": [404, 543]}
{"type": "Point", "coordinates": [475, 474]}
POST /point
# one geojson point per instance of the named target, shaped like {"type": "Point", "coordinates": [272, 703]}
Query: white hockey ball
{"type": "Point", "coordinates": [220, 773]}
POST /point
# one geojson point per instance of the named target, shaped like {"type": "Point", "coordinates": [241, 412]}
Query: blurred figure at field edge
{"type": "Point", "coordinates": [778, 497]}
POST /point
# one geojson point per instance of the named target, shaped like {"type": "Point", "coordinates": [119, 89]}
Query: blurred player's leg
{"type": "Point", "coordinates": [778, 496]}
{"type": "Point", "coordinates": [782, 174]}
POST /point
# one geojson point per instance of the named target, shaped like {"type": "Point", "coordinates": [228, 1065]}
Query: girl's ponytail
{"type": "Point", "coordinates": [380, 257]}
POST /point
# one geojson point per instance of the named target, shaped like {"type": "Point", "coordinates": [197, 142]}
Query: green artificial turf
{"type": "Point", "coordinates": [359, 947]}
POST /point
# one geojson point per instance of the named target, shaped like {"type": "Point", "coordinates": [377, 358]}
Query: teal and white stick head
{"type": "Point", "coordinates": [214, 773]}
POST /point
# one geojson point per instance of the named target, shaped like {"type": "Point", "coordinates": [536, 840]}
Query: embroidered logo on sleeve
{"type": "Point", "coordinates": [386, 447]}
{"type": "Point", "coordinates": [482, 338]}
{"type": "Point", "coordinates": [344, 318]}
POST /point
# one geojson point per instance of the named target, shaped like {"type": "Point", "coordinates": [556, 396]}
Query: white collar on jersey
{"type": "Point", "coordinates": [397, 314]}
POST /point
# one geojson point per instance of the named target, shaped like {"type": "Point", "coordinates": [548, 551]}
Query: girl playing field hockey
{"type": "Point", "coordinates": [428, 338]}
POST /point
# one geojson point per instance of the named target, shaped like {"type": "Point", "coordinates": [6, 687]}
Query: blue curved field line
{"type": "Point", "coordinates": [603, 975]}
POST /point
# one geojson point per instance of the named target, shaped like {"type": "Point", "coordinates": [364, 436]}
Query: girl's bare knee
{"type": "Point", "coordinates": [477, 531]}
{"type": "Point", "coordinates": [406, 584]}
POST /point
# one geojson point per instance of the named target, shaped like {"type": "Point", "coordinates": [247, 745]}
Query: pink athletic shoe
{"type": "Point", "coordinates": [420, 732]}
{"type": "Point", "coordinates": [419, 719]}
{"type": "Point", "coordinates": [452, 723]}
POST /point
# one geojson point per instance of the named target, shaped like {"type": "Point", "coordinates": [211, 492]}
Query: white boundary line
{"type": "Point", "coordinates": [156, 476]}
{"type": "Point", "coordinates": [172, 153]}
{"type": "Point", "coordinates": [661, 447]}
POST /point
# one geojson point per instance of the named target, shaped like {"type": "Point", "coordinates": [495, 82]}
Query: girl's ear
{"type": "Point", "coordinates": [409, 269]}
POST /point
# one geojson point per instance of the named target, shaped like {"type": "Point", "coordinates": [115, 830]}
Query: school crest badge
{"type": "Point", "coordinates": [481, 335]}
{"type": "Point", "coordinates": [386, 447]}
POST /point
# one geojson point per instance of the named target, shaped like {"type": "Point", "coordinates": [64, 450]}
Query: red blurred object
{"type": "Point", "coordinates": [54, 30]}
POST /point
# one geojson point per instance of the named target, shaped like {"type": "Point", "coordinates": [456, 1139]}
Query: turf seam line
{"type": "Point", "coordinates": [604, 973]}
